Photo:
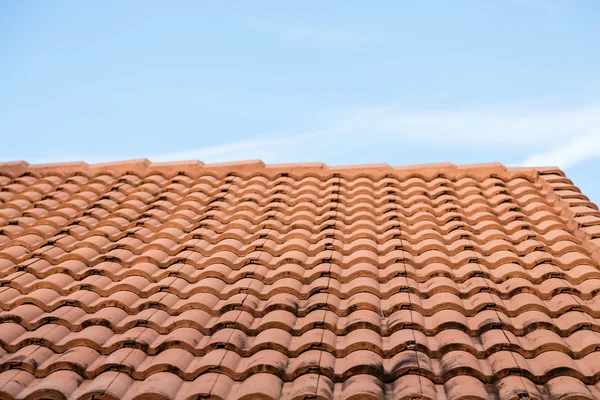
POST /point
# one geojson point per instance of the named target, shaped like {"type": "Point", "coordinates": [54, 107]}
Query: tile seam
{"type": "Point", "coordinates": [398, 226]}
{"type": "Point", "coordinates": [236, 318]}
{"type": "Point", "coordinates": [137, 337]}
{"type": "Point", "coordinates": [524, 394]}
{"type": "Point", "coordinates": [328, 282]}
{"type": "Point", "coordinates": [262, 252]}
{"type": "Point", "coordinates": [38, 347]}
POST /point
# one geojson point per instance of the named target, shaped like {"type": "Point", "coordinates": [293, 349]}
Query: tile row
{"type": "Point", "coordinates": [168, 386]}
{"type": "Point", "coordinates": [104, 341]}
{"type": "Point", "coordinates": [320, 296]}
{"type": "Point", "coordinates": [148, 229]}
{"type": "Point", "coordinates": [20, 256]}
{"type": "Point", "coordinates": [211, 229]}
{"type": "Point", "coordinates": [32, 317]}
{"type": "Point", "coordinates": [102, 245]}
{"type": "Point", "coordinates": [298, 282]}
{"type": "Point", "coordinates": [278, 213]}
{"type": "Point", "coordinates": [203, 188]}
{"type": "Point", "coordinates": [133, 204]}
{"type": "Point", "coordinates": [86, 362]}
{"type": "Point", "coordinates": [41, 183]}
{"type": "Point", "coordinates": [188, 212]}
{"type": "Point", "coordinates": [537, 275]}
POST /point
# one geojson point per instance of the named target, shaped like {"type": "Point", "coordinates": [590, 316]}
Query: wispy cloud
{"type": "Point", "coordinates": [562, 138]}
{"type": "Point", "coordinates": [325, 35]}
{"type": "Point", "coordinates": [577, 150]}
{"type": "Point", "coordinates": [507, 129]}
{"type": "Point", "coordinates": [275, 148]}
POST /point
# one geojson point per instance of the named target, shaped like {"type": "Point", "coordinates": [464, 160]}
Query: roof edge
{"type": "Point", "coordinates": [140, 165]}
{"type": "Point", "coordinates": [581, 215]}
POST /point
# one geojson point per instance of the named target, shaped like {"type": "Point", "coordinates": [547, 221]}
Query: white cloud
{"type": "Point", "coordinates": [562, 138]}
{"type": "Point", "coordinates": [324, 35]}
{"type": "Point", "coordinates": [271, 149]}
{"type": "Point", "coordinates": [507, 129]}
{"type": "Point", "coordinates": [578, 150]}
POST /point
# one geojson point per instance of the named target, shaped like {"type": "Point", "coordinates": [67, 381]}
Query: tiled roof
{"type": "Point", "coordinates": [245, 280]}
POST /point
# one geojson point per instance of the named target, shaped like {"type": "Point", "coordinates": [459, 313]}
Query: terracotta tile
{"type": "Point", "coordinates": [12, 382]}
{"type": "Point", "coordinates": [564, 386]}
{"type": "Point", "coordinates": [464, 387]}
{"type": "Point", "coordinates": [266, 385]}
{"type": "Point", "coordinates": [365, 387]}
{"type": "Point", "coordinates": [205, 385]}
{"type": "Point", "coordinates": [302, 387]}
{"type": "Point", "coordinates": [64, 382]}
{"type": "Point", "coordinates": [277, 338]}
{"type": "Point", "coordinates": [293, 281]}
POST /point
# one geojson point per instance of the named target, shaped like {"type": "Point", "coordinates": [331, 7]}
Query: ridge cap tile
{"type": "Point", "coordinates": [379, 166]}
{"type": "Point", "coordinates": [432, 166]}
{"type": "Point", "coordinates": [66, 167]}
{"type": "Point", "coordinates": [120, 167]}
{"type": "Point", "coordinates": [191, 163]}
{"type": "Point", "coordinates": [69, 164]}
{"type": "Point", "coordinates": [309, 165]}
{"type": "Point", "coordinates": [143, 163]}
{"type": "Point", "coordinates": [481, 165]}
{"type": "Point", "coordinates": [237, 164]}
{"type": "Point", "coordinates": [135, 162]}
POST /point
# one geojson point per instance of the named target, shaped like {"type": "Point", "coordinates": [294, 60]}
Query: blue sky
{"type": "Point", "coordinates": [341, 82]}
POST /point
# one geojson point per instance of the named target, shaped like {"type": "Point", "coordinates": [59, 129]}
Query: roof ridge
{"type": "Point", "coordinates": [143, 164]}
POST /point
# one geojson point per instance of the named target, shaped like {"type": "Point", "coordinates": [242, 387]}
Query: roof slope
{"type": "Point", "coordinates": [243, 280]}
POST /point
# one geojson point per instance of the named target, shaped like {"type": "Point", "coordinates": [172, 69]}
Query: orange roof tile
{"type": "Point", "coordinates": [243, 280]}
